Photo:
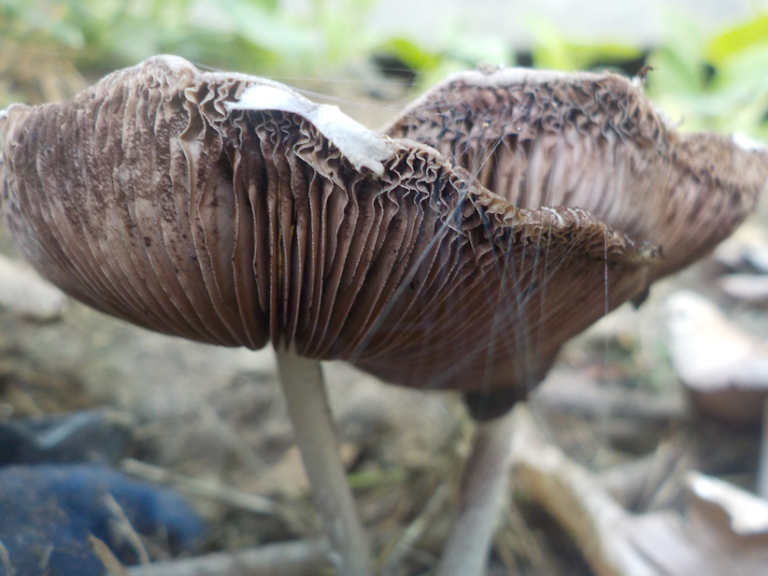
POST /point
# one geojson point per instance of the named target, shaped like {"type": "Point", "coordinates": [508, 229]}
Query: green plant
{"type": "Point", "coordinates": [717, 83]}
{"type": "Point", "coordinates": [47, 44]}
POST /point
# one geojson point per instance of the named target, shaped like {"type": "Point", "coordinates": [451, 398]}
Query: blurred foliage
{"type": "Point", "coordinates": [46, 46]}
{"type": "Point", "coordinates": [552, 50]}
{"type": "Point", "coordinates": [51, 48]}
{"type": "Point", "coordinates": [717, 82]}
{"type": "Point", "coordinates": [457, 51]}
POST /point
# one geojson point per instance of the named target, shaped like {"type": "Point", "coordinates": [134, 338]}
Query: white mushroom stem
{"type": "Point", "coordinates": [308, 408]}
{"type": "Point", "coordinates": [482, 496]}
{"type": "Point", "coordinates": [762, 465]}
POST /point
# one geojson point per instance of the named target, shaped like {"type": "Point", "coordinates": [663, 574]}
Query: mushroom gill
{"type": "Point", "coordinates": [541, 138]}
{"type": "Point", "coordinates": [167, 197]}
{"type": "Point", "coordinates": [230, 210]}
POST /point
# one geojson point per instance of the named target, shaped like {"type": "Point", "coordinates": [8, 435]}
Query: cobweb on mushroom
{"type": "Point", "coordinates": [547, 142]}
{"type": "Point", "coordinates": [503, 150]}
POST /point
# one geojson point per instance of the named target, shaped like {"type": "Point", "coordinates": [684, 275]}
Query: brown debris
{"type": "Point", "coordinates": [300, 558]}
{"type": "Point", "coordinates": [575, 498]}
{"type": "Point", "coordinates": [724, 369]}
{"type": "Point", "coordinates": [707, 540]}
{"type": "Point", "coordinates": [722, 531]}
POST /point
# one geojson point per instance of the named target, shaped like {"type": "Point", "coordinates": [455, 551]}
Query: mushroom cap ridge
{"type": "Point", "coordinates": [592, 140]}
{"type": "Point", "coordinates": [153, 198]}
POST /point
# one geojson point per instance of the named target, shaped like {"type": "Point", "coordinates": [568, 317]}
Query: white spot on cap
{"type": "Point", "coordinates": [361, 146]}
{"type": "Point", "coordinates": [746, 143]}
{"type": "Point", "coordinates": [667, 121]}
{"type": "Point", "coordinates": [512, 76]}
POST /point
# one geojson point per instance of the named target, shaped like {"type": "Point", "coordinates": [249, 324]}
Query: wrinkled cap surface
{"type": "Point", "coordinates": [500, 216]}
{"type": "Point", "coordinates": [541, 138]}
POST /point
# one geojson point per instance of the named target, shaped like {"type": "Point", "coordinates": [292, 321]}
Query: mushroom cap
{"type": "Point", "coordinates": [228, 209]}
{"type": "Point", "coordinates": [592, 140]}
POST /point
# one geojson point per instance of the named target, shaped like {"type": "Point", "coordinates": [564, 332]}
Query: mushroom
{"type": "Point", "coordinates": [542, 138]}
{"type": "Point", "coordinates": [231, 210]}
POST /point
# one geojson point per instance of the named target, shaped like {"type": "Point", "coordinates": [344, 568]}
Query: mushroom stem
{"type": "Point", "coordinates": [302, 383]}
{"type": "Point", "coordinates": [482, 495]}
{"type": "Point", "coordinates": [762, 465]}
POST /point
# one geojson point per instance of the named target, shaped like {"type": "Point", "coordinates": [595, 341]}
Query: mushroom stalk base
{"type": "Point", "coordinates": [482, 495]}
{"type": "Point", "coordinates": [308, 408]}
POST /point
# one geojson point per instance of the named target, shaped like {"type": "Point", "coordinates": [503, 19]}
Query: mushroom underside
{"type": "Point", "coordinates": [592, 140]}
{"type": "Point", "coordinates": [153, 198]}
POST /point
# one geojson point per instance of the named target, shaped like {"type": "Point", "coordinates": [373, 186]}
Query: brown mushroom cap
{"type": "Point", "coordinates": [543, 138]}
{"type": "Point", "coordinates": [228, 209]}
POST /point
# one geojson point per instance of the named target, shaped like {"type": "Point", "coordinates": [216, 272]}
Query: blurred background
{"type": "Point", "coordinates": [211, 422]}
{"type": "Point", "coordinates": [707, 55]}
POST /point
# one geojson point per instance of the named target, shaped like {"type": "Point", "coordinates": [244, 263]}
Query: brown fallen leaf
{"type": "Point", "coordinates": [748, 245]}
{"type": "Point", "coordinates": [746, 287]}
{"type": "Point", "coordinates": [724, 369]}
{"type": "Point", "coordinates": [723, 532]}
{"type": "Point", "coordinates": [24, 292]}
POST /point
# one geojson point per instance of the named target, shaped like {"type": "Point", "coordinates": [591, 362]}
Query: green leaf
{"type": "Point", "coordinates": [737, 39]}
{"type": "Point", "coordinates": [553, 50]}
{"type": "Point", "coordinates": [411, 54]}
{"type": "Point", "coordinates": [266, 29]}
{"type": "Point", "coordinates": [678, 64]}
{"type": "Point", "coordinates": [473, 50]}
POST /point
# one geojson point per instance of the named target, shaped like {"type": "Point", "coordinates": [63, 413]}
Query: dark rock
{"type": "Point", "coordinates": [48, 511]}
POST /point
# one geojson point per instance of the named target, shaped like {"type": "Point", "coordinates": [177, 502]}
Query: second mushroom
{"type": "Point", "coordinates": [500, 215]}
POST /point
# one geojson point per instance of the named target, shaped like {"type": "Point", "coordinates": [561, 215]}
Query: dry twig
{"type": "Point", "coordinates": [123, 525]}
{"type": "Point", "coordinates": [205, 488]}
{"type": "Point", "coordinates": [413, 533]}
{"type": "Point", "coordinates": [299, 558]}
{"type": "Point", "coordinates": [5, 558]}
{"type": "Point", "coordinates": [762, 470]}
{"type": "Point", "coordinates": [108, 559]}
{"type": "Point", "coordinates": [575, 498]}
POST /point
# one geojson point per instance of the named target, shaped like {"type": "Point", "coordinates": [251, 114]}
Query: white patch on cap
{"type": "Point", "coordinates": [746, 143]}
{"type": "Point", "coordinates": [512, 76]}
{"type": "Point", "coordinates": [361, 146]}
{"type": "Point", "coordinates": [668, 123]}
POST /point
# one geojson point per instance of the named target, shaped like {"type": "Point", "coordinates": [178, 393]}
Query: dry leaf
{"type": "Point", "coordinates": [722, 533]}
{"type": "Point", "coordinates": [747, 287]}
{"type": "Point", "coordinates": [24, 292]}
{"type": "Point", "coordinates": [724, 368]}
